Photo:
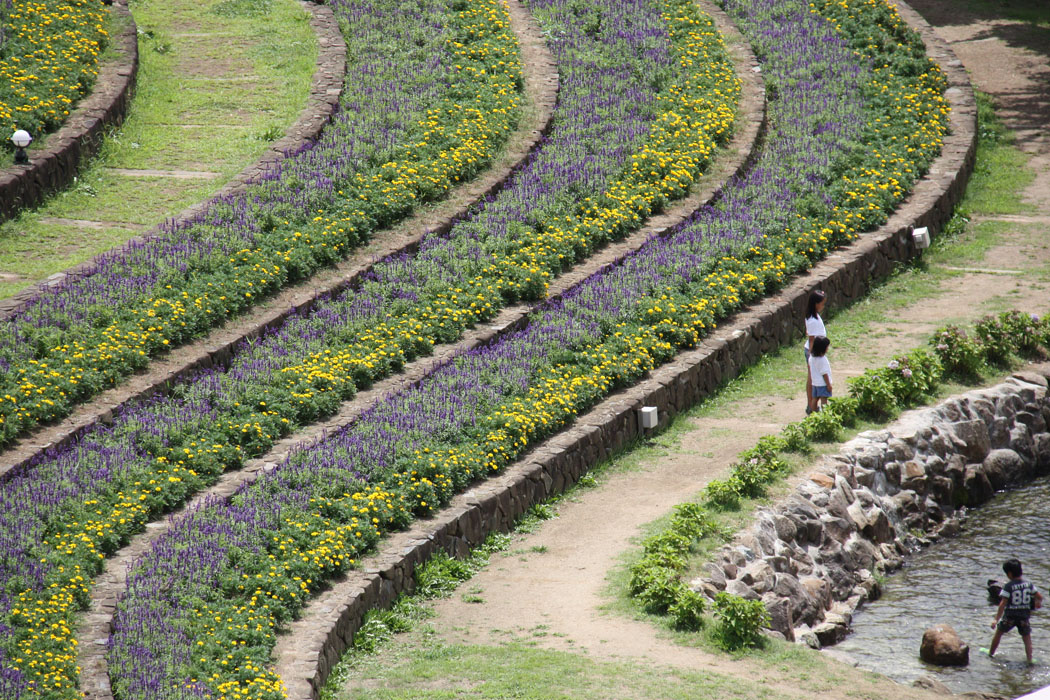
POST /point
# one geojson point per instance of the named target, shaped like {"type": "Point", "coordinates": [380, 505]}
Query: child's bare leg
{"type": "Point", "coordinates": [995, 643]}
{"type": "Point", "coordinates": [1028, 647]}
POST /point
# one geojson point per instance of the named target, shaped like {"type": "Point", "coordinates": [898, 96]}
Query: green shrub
{"type": "Point", "coordinates": [913, 377]}
{"type": "Point", "coordinates": [723, 494]}
{"type": "Point", "coordinates": [693, 521]}
{"type": "Point", "coordinates": [961, 355]}
{"type": "Point", "coordinates": [996, 340]}
{"type": "Point", "coordinates": [845, 408]}
{"type": "Point", "coordinates": [1025, 330]}
{"type": "Point", "coordinates": [687, 612]}
{"type": "Point", "coordinates": [822, 426]}
{"type": "Point", "coordinates": [794, 436]}
{"type": "Point", "coordinates": [739, 621]}
{"type": "Point", "coordinates": [874, 395]}
{"type": "Point", "coordinates": [657, 588]}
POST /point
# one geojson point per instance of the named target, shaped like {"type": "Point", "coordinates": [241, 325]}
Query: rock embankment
{"type": "Point", "coordinates": [815, 556]}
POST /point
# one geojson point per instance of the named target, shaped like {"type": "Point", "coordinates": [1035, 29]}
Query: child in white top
{"type": "Point", "coordinates": [814, 328]}
{"type": "Point", "coordinates": [820, 373]}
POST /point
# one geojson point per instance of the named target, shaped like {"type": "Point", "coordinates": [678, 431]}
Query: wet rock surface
{"type": "Point", "coordinates": [941, 645]}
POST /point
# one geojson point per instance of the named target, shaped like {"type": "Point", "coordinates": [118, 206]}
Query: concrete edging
{"type": "Point", "coordinates": [79, 138]}
{"type": "Point", "coordinates": [315, 643]}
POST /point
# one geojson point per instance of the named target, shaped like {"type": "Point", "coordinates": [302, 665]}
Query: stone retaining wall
{"type": "Point", "coordinates": [53, 168]}
{"type": "Point", "coordinates": [811, 557]}
{"type": "Point", "coordinates": [220, 346]}
{"type": "Point", "coordinates": [306, 655]}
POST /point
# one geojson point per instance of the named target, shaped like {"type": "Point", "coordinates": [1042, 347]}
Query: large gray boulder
{"type": "Point", "coordinates": [1003, 466]}
{"type": "Point", "coordinates": [972, 439]}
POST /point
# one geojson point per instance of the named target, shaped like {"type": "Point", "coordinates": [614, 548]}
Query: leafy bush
{"type": "Point", "coordinates": [739, 621]}
{"type": "Point", "coordinates": [657, 588]}
{"type": "Point", "coordinates": [687, 612]}
{"type": "Point", "coordinates": [794, 437]}
{"type": "Point", "coordinates": [961, 355]}
{"type": "Point", "coordinates": [996, 340]}
{"type": "Point", "coordinates": [1026, 331]}
{"type": "Point", "coordinates": [723, 494]}
{"type": "Point", "coordinates": [822, 426]}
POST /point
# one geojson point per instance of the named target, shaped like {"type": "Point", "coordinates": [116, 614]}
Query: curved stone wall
{"type": "Point", "coordinates": [811, 557]}
{"type": "Point", "coordinates": [53, 168]}
{"type": "Point", "coordinates": [315, 643]}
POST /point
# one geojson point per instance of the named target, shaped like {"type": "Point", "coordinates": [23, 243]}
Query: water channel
{"type": "Point", "coordinates": [946, 583]}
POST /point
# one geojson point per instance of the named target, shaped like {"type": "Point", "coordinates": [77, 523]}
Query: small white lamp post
{"type": "Point", "coordinates": [21, 139]}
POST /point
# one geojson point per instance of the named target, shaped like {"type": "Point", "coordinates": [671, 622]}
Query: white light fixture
{"type": "Point", "coordinates": [648, 418]}
{"type": "Point", "coordinates": [921, 236]}
{"type": "Point", "coordinates": [21, 139]}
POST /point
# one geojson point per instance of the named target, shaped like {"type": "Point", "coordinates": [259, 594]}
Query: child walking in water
{"type": "Point", "coordinates": [1017, 600]}
{"type": "Point", "coordinates": [819, 373]}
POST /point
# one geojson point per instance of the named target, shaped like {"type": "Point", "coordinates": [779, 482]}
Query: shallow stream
{"type": "Point", "coordinates": [946, 583]}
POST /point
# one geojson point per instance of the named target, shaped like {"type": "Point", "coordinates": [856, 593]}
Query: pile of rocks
{"type": "Point", "coordinates": [816, 555]}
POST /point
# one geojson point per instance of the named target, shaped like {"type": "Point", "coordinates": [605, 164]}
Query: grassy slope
{"type": "Point", "coordinates": [218, 81]}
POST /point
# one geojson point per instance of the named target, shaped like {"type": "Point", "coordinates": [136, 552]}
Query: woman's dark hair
{"type": "Point", "coordinates": [820, 346]}
{"type": "Point", "coordinates": [815, 297]}
{"type": "Point", "coordinates": [1012, 567]}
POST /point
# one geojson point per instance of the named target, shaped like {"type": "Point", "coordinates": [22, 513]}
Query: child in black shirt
{"type": "Point", "coordinates": [1017, 600]}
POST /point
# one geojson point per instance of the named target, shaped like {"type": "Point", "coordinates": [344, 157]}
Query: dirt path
{"type": "Point", "coordinates": [556, 578]}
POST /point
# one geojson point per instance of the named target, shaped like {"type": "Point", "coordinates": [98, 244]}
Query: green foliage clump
{"type": "Point", "coordinates": [961, 355]}
{"type": "Point", "coordinates": [740, 621]}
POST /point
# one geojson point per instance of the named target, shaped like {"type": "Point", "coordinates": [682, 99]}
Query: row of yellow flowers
{"type": "Point", "coordinates": [667, 322]}
{"type": "Point", "coordinates": [93, 359]}
{"type": "Point", "coordinates": [49, 51]}
{"type": "Point", "coordinates": [45, 651]}
{"type": "Point", "coordinates": [662, 171]}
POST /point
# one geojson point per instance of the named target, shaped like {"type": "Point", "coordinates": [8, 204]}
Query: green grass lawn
{"type": "Point", "coordinates": [218, 81]}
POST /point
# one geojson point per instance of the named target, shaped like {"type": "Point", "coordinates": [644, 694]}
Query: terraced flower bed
{"type": "Point", "coordinates": [204, 605]}
{"type": "Point", "coordinates": [441, 125]}
{"type": "Point", "coordinates": [664, 110]}
{"type": "Point", "coordinates": [49, 52]}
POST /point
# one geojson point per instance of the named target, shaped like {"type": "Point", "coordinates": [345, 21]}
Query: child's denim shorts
{"type": "Point", "coordinates": [821, 392]}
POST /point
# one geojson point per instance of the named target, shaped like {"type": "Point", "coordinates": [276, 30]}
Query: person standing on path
{"type": "Point", "coordinates": [814, 328]}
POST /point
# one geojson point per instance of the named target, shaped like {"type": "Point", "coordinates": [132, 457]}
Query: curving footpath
{"type": "Point", "coordinates": [216, 349]}
{"type": "Point", "coordinates": [316, 641]}
{"type": "Point", "coordinates": [54, 168]}
{"type": "Point", "coordinates": [95, 627]}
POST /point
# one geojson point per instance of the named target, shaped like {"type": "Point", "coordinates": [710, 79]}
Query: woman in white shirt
{"type": "Point", "coordinates": [814, 329]}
